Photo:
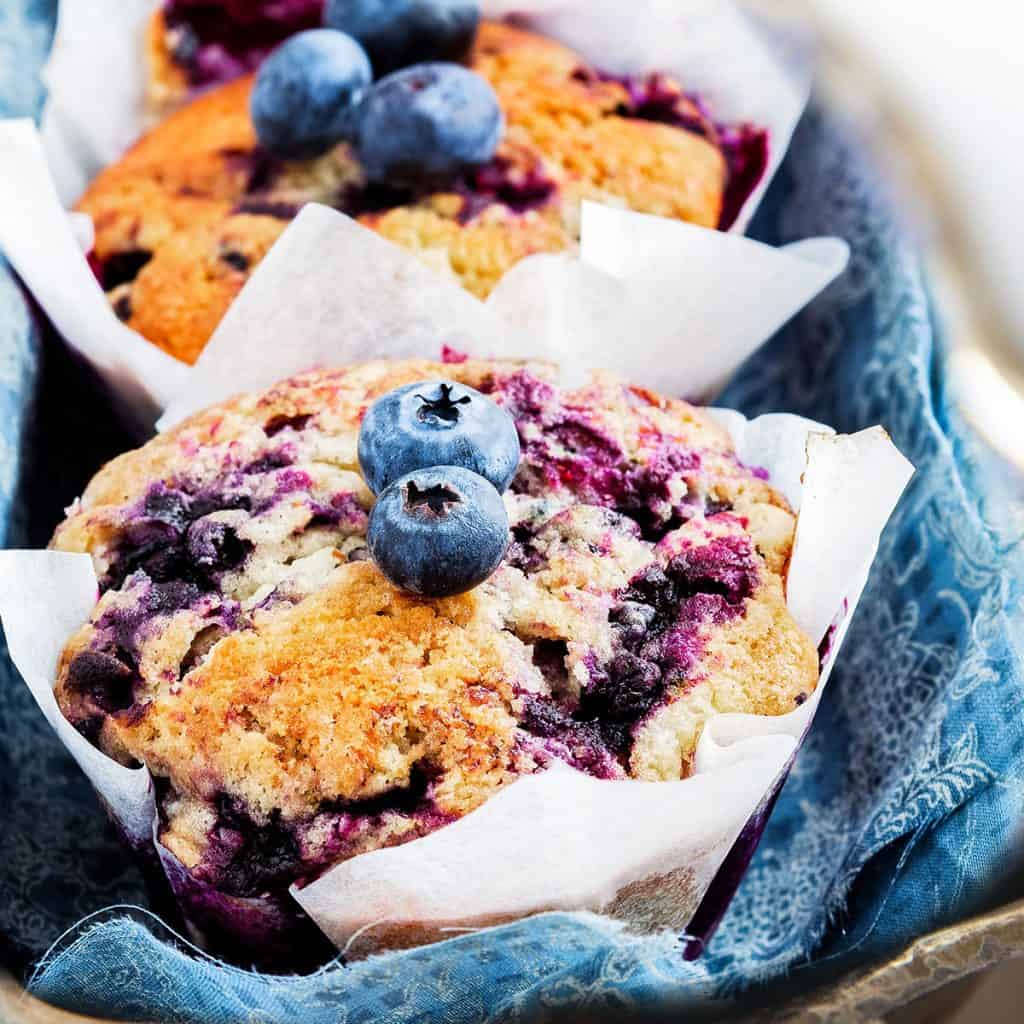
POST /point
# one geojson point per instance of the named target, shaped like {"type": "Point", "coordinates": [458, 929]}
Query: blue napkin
{"type": "Point", "coordinates": [901, 807]}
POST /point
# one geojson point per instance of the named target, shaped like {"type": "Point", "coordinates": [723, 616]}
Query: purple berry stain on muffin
{"type": "Point", "coordinates": [250, 858]}
{"type": "Point", "coordinates": [658, 625]}
{"type": "Point", "coordinates": [166, 538]}
{"type": "Point", "coordinates": [563, 737]}
{"type": "Point", "coordinates": [658, 98]}
{"type": "Point", "coordinates": [276, 424]}
{"type": "Point", "coordinates": [217, 40]}
{"type": "Point", "coordinates": [563, 449]}
{"type": "Point", "coordinates": [342, 508]}
{"type": "Point", "coordinates": [747, 151]}
{"type": "Point", "coordinates": [499, 181]}
{"type": "Point", "coordinates": [746, 147]}
{"type": "Point", "coordinates": [125, 624]}
{"type": "Point", "coordinates": [103, 680]}
{"type": "Point", "coordinates": [452, 356]}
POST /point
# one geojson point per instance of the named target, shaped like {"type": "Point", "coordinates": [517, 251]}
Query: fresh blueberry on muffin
{"type": "Point", "coordinates": [438, 532]}
{"type": "Point", "coordinates": [397, 33]}
{"type": "Point", "coordinates": [437, 423]}
{"type": "Point", "coordinates": [426, 123]}
{"type": "Point", "coordinates": [297, 708]}
{"type": "Point", "coordinates": [306, 92]}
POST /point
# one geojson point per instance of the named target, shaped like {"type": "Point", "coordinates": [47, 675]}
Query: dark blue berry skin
{"type": "Point", "coordinates": [426, 124]}
{"type": "Point", "coordinates": [437, 423]}
{"type": "Point", "coordinates": [438, 532]}
{"type": "Point", "coordinates": [397, 33]}
{"type": "Point", "coordinates": [306, 92]}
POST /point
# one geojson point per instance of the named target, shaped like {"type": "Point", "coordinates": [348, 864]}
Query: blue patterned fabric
{"type": "Point", "coordinates": [897, 817]}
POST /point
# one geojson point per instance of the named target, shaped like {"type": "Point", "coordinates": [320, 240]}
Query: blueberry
{"type": "Point", "coordinates": [437, 423]}
{"type": "Point", "coordinates": [427, 123]}
{"type": "Point", "coordinates": [306, 92]}
{"type": "Point", "coordinates": [397, 33]}
{"type": "Point", "coordinates": [438, 532]}
{"type": "Point", "coordinates": [102, 678]}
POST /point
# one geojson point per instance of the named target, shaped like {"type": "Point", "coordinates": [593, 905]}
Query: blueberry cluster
{"type": "Point", "coordinates": [427, 118]}
{"type": "Point", "coordinates": [437, 455]}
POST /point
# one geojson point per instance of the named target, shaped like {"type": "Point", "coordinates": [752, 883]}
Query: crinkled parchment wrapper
{"type": "Point", "coordinates": [642, 852]}
{"type": "Point", "coordinates": [672, 282]}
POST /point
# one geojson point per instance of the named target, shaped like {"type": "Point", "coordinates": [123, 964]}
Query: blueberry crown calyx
{"type": "Point", "coordinates": [441, 407]}
{"type": "Point", "coordinates": [437, 499]}
{"type": "Point", "coordinates": [432, 423]}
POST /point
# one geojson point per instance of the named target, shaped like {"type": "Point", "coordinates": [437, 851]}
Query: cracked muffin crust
{"type": "Point", "coordinates": [295, 709]}
{"type": "Point", "coordinates": [186, 215]}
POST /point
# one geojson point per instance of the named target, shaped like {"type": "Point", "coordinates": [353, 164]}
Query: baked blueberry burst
{"type": "Point", "coordinates": [310, 672]}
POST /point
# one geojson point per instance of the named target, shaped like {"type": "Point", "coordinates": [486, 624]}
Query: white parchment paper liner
{"type": "Point", "coordinates": [701, 306]}
{"type": "Point", "coordinates": [45, 596]}
{"type": "Point", "coordinates": [682, 283]}
{"type": "Point", "coordinates": [580, 312]}
{"type": "Point", "coordinates": [643, 852]}
{"type": "Point", "coordinates": [46, 248]}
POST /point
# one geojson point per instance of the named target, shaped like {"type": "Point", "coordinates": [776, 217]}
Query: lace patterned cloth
{"type": "Point", "coordinates": [898, 814]}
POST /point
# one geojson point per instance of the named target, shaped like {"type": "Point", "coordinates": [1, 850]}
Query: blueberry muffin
{"type": "Point", "coordinates": [186, 215]}
{"type": "Point", "coordinates": [296, 709]}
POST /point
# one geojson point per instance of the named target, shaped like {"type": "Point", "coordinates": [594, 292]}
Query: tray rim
{"type": "Point", "coordinates": [951, 954]}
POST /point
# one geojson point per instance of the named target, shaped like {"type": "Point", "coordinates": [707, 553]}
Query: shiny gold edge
{"type": "Point", "coordinates": [923, 967]}
{"type": "Point", "coordinates": [17, 1007]}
